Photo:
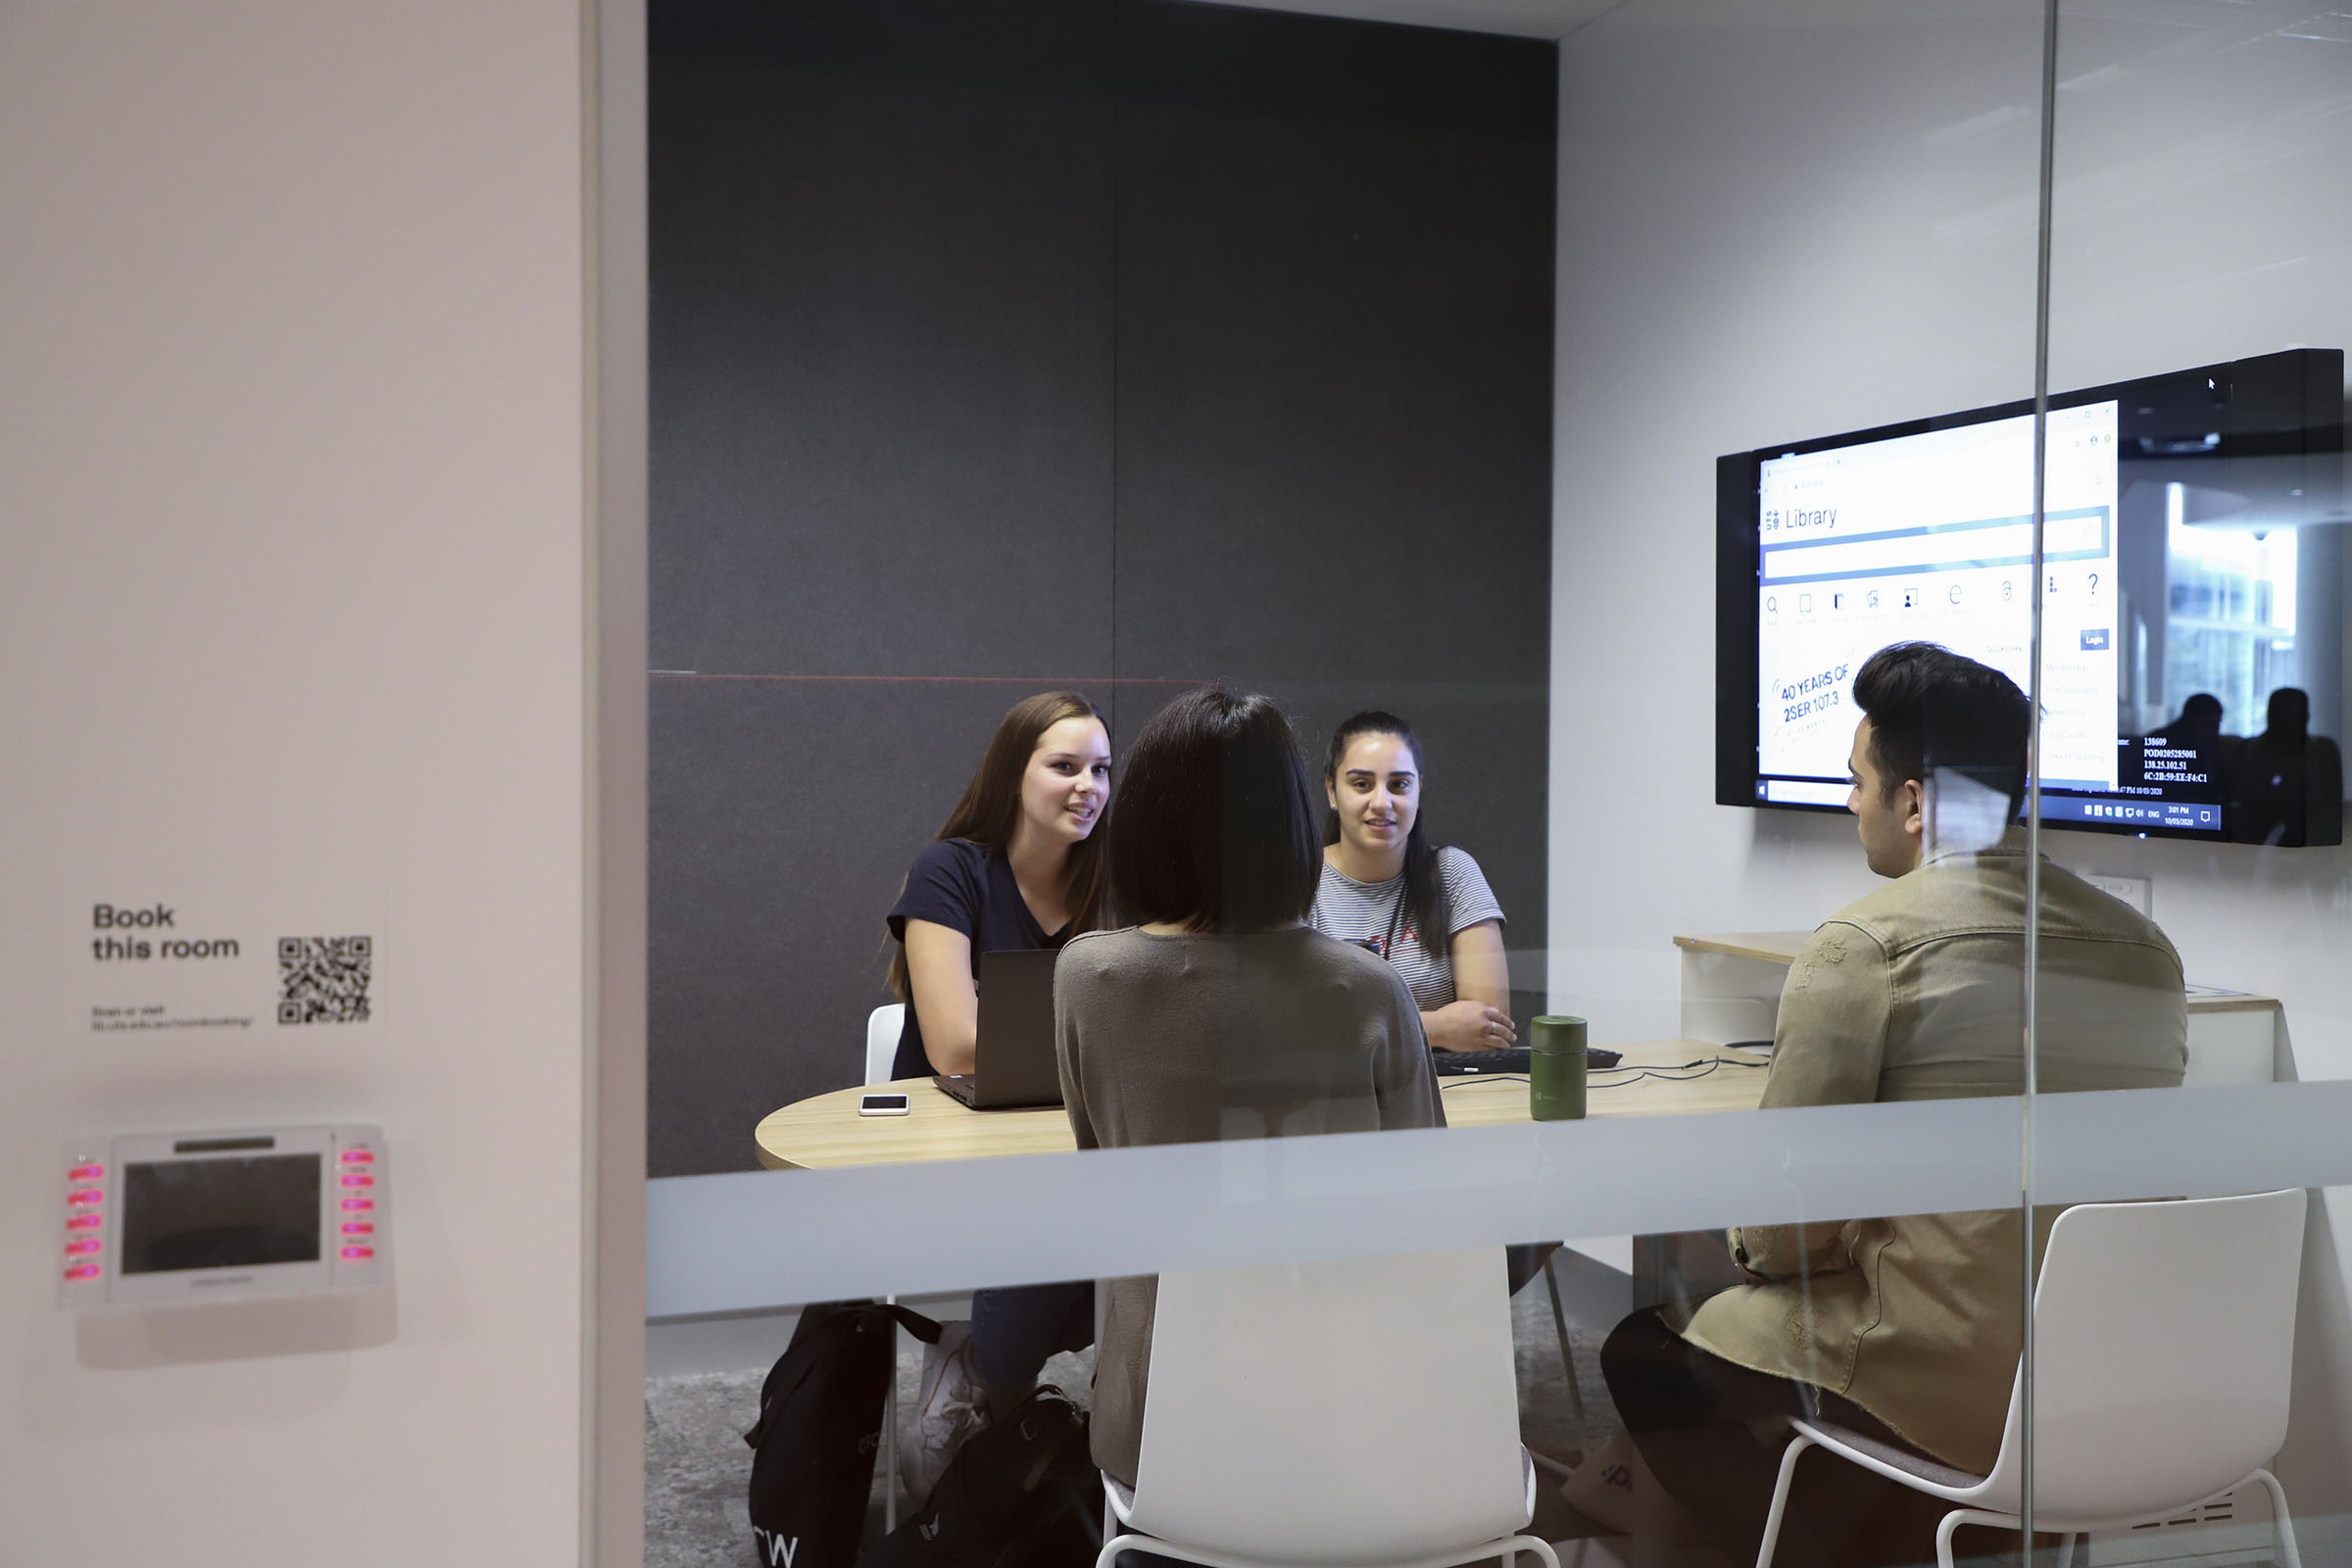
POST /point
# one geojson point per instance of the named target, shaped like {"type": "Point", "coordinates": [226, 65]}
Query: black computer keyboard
{"type": "Point", "coordinates": [1516, 1058]}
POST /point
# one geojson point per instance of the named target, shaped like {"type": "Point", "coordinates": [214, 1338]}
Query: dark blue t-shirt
{"type": "Point", "coordinates": [969, 888]}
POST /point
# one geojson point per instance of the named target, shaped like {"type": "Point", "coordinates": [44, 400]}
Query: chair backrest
{"type": "Point", "coordinates": [2164, 1338]}
{"type": "Point", "coordinates": [1331, 1411]}
{"type": "Point", "coordinates": [882, 1030]}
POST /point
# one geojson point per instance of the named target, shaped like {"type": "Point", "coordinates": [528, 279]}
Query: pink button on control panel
{"type": "Point", "coordinates": [359, 1251]}
{"type": "Point", "coordinates": [85, 1173]}
{"type": "Point", "coordinates": [83, 1271]}
{"type": "Point", "coordinates": [359, 1157]}
{"type": "Point", "coordinates": [358, 1181]}
{"type": "Point", "coordinates": [85, 1196]}
{"type": "Point", "coordinates": [357, 1206]}
{"type": "Point", "coordinates": [83, 1248]}
{"type": "Point", "coordinates": [357, 1227]}
{"type": "Point", "coordinates": [84, 1222]}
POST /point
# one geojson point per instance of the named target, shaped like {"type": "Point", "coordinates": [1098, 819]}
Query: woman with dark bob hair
{"type": "Point", "coordinates": [1220, 1013]}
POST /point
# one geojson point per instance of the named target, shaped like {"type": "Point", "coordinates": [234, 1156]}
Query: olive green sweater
{"type": "Point", "coordinates": [1914, 993]}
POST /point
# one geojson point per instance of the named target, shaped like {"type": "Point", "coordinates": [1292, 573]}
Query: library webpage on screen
{"type": "Point", "coordinates": [1930, 538]}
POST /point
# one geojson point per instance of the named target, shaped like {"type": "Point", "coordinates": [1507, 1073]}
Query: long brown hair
{"type": "Point", "coordinates": [991, 809]}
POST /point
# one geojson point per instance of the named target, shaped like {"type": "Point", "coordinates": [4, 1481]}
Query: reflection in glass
{"type": "Point", "coordinates": [2229, 615]}
{"type": "Point", "coordinates": [2219, 233]}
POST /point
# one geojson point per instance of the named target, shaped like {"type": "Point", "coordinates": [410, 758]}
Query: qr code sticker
{"type": "Point", "coordinates": [323, 979]}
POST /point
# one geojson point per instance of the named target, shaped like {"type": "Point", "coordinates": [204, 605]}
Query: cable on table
{"type": "Point", "coordinates": [1679, 1073]}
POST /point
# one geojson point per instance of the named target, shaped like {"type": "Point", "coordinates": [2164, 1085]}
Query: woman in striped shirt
{"type": "Point", "coordinates": [1425, 909]}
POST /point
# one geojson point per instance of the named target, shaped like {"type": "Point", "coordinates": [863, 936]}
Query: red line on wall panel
{"type": "Point", "coordinates": [1016, 680]}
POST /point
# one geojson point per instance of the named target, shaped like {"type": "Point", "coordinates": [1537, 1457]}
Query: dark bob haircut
{"type": "Point", "coordinates": [1215, 823]}
{"type": "Point", "coordinates": [1931, 709]}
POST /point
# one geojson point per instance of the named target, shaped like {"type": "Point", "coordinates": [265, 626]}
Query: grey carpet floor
{"type": "Point", "coordinates": [697, 1467]}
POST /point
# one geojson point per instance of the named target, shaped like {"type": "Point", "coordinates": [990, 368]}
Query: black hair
{"type": "Point", "coordinates": [1215, 823]}
{"type": "Point", "coordinates": [1929, 707]}
{"type": "Point", "coordinates": [1425, 909]}
{"type": "Point", "coordinates": [2289, 715]}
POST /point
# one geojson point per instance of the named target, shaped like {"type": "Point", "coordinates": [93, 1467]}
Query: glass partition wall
{"type": "Point", "coordinates": [2196, 219]}
{"type": "Point", "coordinates": [1778, 276]}
{"type": "Point", "coordinates": [1450, 496]}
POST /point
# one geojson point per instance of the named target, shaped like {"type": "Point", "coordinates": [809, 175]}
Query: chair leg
{"type": "Point", "coordinates": [1944, 1536]}
{"type": "Point", "coordinates": [1780, 1499]}
{"type": "Point", "coordinates": [1559, 1327]}
{"type": "Point", "coordinates": [2288, 1556]}
{"type": "Point", "coordinates": [2066, 1549]}
{"type": "Point", "coordinates": [1974, 1516]}
{"type": "Point", "coordinates": [890, 1431]}
{"type": "Point", "coordinates": [1112, 1545]}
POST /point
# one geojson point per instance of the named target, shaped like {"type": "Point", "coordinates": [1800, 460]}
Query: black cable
{"type": "Point", "coordinates": [1669, 1075]}
{"type": "Point", "coordinates": [1689, 1072]}
{"type": "Point", "coordinates": [1664, 1075]}
{"type": "Point", "coordinates": [1484, 1078]}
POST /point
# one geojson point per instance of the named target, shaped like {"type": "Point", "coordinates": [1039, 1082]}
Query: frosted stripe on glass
{"type": "Point", "coordinates": [741, 1242]}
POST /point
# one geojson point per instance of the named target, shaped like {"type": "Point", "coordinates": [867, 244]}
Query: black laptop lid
{"type": "Point", "coordinates": [1014, 1046]}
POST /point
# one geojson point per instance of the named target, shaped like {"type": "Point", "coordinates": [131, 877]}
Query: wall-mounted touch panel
{"type": "Point", "coordinates": [164, 1218]}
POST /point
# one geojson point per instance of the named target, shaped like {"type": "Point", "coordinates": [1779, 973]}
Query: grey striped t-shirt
{"type": "Point", "coordinates": [1356, 911]}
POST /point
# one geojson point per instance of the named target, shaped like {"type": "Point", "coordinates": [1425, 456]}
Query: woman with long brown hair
{"type": "Point", "coordinates": [1016, 867]}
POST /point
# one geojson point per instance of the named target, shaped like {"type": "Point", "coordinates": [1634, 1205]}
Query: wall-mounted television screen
{"type": "Point", "coordinates": [2193, 585]}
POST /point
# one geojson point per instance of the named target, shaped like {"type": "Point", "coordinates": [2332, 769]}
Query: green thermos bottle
{"type": "Point", "coordinates": [1556, 1072]}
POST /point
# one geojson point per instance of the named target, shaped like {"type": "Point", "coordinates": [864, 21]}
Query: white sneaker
{"type": "Point", "coordinates": [950, 1405]}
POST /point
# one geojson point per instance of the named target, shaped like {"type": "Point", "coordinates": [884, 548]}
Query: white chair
{"type": "Point", "coordinates": [882, 1028]}
{"type": "Point", "coordinates": [1363, 1411]}
{"type": "Point", "coordinates": [2163, 1338]}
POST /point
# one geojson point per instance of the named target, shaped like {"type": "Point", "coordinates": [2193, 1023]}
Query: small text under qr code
{"type": "Point", "coordinates": [323, 979]}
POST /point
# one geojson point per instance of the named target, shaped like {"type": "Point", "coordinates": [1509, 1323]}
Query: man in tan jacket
{"type": "Point", "coordinates": [1907, 1329]}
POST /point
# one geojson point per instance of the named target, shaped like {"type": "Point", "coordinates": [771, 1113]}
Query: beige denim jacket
{"type": "Point", "coordinates": [1914, 993]}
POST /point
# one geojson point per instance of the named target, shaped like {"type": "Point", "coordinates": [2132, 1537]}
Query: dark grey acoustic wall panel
{"type": "Point", "coordinates": [881, 326]}
{"type": "Point", "coordinates": [880, 339]}
{"type": "Point", "coordinates": [1335, 391]}
{"type": "Point", "coordinates": [1057, 342]}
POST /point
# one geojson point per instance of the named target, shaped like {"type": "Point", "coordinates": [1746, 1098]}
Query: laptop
{"type": "Point", "coordinates": [1012, 1051]}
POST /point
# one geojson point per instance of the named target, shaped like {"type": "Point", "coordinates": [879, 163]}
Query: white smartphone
{"type": "Point", "coordinates": [882, 1105]}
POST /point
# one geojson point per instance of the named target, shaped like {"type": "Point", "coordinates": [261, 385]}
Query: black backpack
{"type": "Point", "coordinates": [819, 1428]}
{"type": "Point", "coordinates": [1021, 1493]}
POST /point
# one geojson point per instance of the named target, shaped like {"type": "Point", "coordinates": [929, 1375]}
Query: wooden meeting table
{"type": "Point", "coordinates": [825, 1130]}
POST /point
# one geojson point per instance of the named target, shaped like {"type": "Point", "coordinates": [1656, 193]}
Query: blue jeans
{"type": "Point", "coordinates": [1016, 1328]}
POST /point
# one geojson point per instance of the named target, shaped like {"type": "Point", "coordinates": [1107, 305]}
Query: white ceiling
{"type": "Point", "coordinates": [1524, 19]}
